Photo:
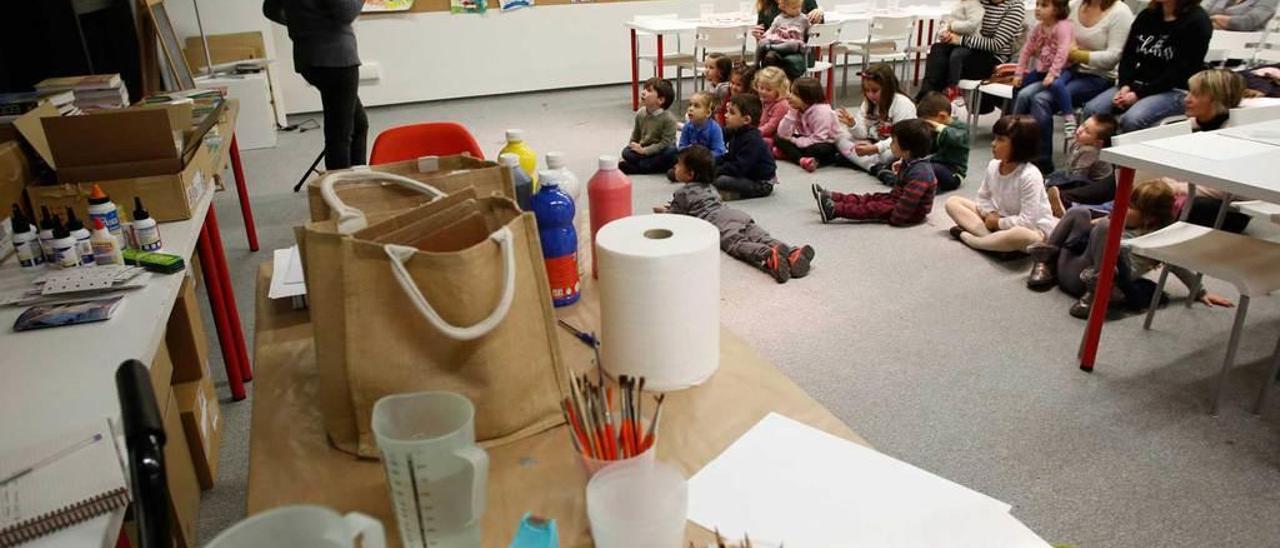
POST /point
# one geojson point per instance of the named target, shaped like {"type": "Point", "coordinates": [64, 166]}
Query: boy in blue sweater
{"type": "Point", "coordinates": [747, 170]}
{"type": "Point", "coordinates": [700, 129]}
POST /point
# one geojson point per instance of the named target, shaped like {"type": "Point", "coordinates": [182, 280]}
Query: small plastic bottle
{"type": "Point", "coordinates": [523, 184]}
{"type": "Point", "coordinates": [554, 210]}
{"type": "Point", "coordinates": [64, 248]}
{"type": "Point", "coordinates": [106, 248]}
{"type": "Point", "coordinates": [26, 240]}
{"type": "Point", "coordinates": [46, 236]}
{"type": "Point", "coordinates": [609, 191]}
{"type": "Point", "coordinates": [81, 234]}
{"type": "Point", "coordinates": [528, 158]}
{"type": "Point", "coordinates": [101, 207]}
{"type": "Point", "coordinates": [146, 233]}
{"type": "Point", "coordinates": [570, 184]}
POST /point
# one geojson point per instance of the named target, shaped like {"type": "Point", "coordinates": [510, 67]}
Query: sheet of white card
{"type": "Point", "coordinates": [787, 481]}
{"type": "Point", "coordinates": [286, 274]}
{"type": "Point", "coordinates": [1212, 146]}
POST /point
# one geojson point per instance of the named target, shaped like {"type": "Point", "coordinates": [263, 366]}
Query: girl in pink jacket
{"type": "Point", "coordinates": [807, 135]}
{"type": "Point", "coordinates": [1049, 43]}
{"type": "Point", "coordinates": [772, 85]}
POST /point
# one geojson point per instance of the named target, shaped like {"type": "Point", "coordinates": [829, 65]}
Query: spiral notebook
{"type": "Point", "coordinates": [56, 484]}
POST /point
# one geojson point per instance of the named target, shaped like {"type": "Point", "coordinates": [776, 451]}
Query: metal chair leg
{"type": "Point", "coordinates": [1268, 381]}
{"type": "Point", "coordinates": [1155, 299]}
{"type": "Point", "coordinates": [1217, 225]}
{"type": "Point", "coordinates": [1232, 345]}
{"type": "Point", "coordinates": [844, 75]}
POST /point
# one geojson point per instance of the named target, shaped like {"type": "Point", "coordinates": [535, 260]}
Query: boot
{"type": "Point", "coordinates": [1043, 277]}
{"type": "Point", "coordinates": [1083, 306]}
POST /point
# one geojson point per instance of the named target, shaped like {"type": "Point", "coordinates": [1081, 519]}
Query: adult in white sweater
{"type": "Point", "coordinates": [1100, 27]}
{"type": "Point", "coordinates": [1012, 209]}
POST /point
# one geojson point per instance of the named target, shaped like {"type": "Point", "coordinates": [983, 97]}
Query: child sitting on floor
{"type": "Point", "coordinates": [1086, 179]}
{"type": "Point", "coordinates": [1071, 256]}
{"type": "Point", "coordinates": [910, 200]}
{"type": "Point", "coordinates": [772, 85]}
{"type": "Point", "coordinates": [747, 170]}
{"type": "Point", "coordinates": [866, 144]}
{"type": "Point", "coordinates": [950, 156]}
{"type": "Point", "coordinates": [807, 136]}
{"type": "Point", "coordinates": [1012, 210]}
{"type": "Point", "coordinates": [740, 236]}
{"type": "Point", "coordinates": [742, 80]}
{"type": "Point", "coordinates": [700, 129]}
{"type": "Point", "coordinates": [653, 138]}
{"type": "Point", "coordinates": [717, 71]}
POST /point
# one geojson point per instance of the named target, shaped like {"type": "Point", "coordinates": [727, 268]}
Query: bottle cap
{"type": "Point", "coordinates": [60, 232]}
{"type": "Point", "coordinates": [46, 218]}
{"type": "Point", "coordinates": [608, 163]}
{"type": "Point", "coordinates": [508, 160]}
{"type": "Point", "coordinates": [555, 160]}
{"type": "Point", "coordinates": [548, 179]}
{"type": "Point", "coordinates": [97, 224]}
{"type": "Point", "coordinates": [73, 222]}
{"type": "Point", "coordinates": [139, 212]}
{"type": "Point", "coordinates": [515, 135]}
{"type": "Point", "coordinates": [97, 196]}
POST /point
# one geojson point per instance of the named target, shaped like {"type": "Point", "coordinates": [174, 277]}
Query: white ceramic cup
{"type": "Point", "coordinates": [303, 526]}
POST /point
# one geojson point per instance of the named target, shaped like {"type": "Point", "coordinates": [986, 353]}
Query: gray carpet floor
{"type": "Point", "coordinates": [936, 354]}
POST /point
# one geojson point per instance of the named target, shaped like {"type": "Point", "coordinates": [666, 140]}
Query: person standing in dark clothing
{"type": "Point", "coordinates": [325, 54]}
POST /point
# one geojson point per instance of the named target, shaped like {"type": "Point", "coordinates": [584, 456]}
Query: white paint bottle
{"type": "Point", "coordinates": [146, 232]}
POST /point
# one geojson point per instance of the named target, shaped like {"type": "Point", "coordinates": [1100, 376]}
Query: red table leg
{"type": "Point", "coordinates": [250, 229]}
{"type": "Point", "coordinates": [224, 277]}
{"type": "Point", "coordinates": [1102, 293]}
{"type": "Point", "coordinates": [660, 58]}
{"type": "Point", "coordinates": [218, 303]}
{"type": "Point", "coordinates": [635, 71]}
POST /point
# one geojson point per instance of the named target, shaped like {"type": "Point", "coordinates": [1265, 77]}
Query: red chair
{"type": "Point", "coordinates": [426, 139]}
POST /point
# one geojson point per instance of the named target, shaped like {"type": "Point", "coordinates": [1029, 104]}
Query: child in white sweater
{"type": "Point", "coordinates": [965, 18]}
{"type": "Point", "coordinates": [1012, 209]}
{"type": "Point", "coordinates": [867, 141]}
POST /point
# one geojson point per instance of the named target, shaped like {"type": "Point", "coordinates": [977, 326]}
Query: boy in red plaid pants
{"type": "Point", "coordinates": [911, 199]}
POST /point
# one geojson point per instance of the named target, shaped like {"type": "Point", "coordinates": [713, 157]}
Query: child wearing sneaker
{"type": "Point", "coordinates": [747, 169]}
{"type": "Point", "coordinates": [911, 199]}
{"type": "Point", "coordinates": [866, 144]}
{"type": "Point", "coordinates": [950, 152]}
{"type": "Point", "coordinates": [807, 136]}
{"type": "Point", "coordinates": [1086, 179]}
{"type": "Point", "coordinates": [740, 236]}
{"type": "Point", "coordinates": [652, 148]}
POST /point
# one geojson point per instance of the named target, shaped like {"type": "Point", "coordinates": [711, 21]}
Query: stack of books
{"type": "Point", "coordinates": [13, 105]}
{"type": "Point", "coordinates": [92, 92]}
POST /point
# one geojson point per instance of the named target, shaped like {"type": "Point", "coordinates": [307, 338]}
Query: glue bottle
{"type": "Point", "coordinates": [523, 184]}
{"type": "Point", "coordinates": [84, 248]}
{"type": "Point", "coordinates": [609, 191]}
{"type": "Point", "coordinates": [553, 209]}
{"type": "Point", "coordinates": [106, 248]}
{"type": "Point", "coordinates": [145, 231]}
{"type": "Point", "coordinates": [101, 207]}
{"type": "Point", "coordinates": [64, 248]}
{"type": "Point", "coordinates": [26, 240]}
{"type": "Point", "coordinates": [528, 158]}
{"type": "Point", "coordinates": [570, 184]}
{"type": "Point", "coordinates": [46, 236]}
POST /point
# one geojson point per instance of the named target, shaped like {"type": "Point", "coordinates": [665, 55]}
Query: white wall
{"type": "Point", "coordinates": [429, 56]}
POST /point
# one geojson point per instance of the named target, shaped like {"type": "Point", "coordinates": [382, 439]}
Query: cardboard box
{"type": "Point", "coordinates": [202, 421]}
{"type": "Point", "coordinates": [184, 488]}
{"type": "Point", "coordinates": [120, 144]}
{"type": "Point", "coordinates": [15, 173]}
{"type": "Point", "coordinates": [161, 376]}
{"type": "Point", "coordinates": [186, 337]}
{"type": "Point", "coordinates": [167, 197]}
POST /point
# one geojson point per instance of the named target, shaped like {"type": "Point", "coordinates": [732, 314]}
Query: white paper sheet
{"type": "Point", "coordinates": [1212, 146]}
{"type": "Point", "coordinates": [286, 277]}
{"type": "Point", "coordinates": [787, 481]}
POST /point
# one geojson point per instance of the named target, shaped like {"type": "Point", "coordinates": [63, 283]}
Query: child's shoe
{"type": "Point", "coordinates": [801, 259]}
{"type": "Point", "coordinates": [777, 153]}
{"type": "Point", "coordinates": [1069, 126]}
{"type": "Point", "coordinates": [1042, 277]}
{"type": "Point", "coordinates": [775, 263]}
{"type": "Point", "coordinates": [884, 172]}
{"type": "Point", "coordinates": [955, 232]}
{"type": "Point", "coordinates": [809, 164]}
{"type": "Point", "coordinates": [826, 207]}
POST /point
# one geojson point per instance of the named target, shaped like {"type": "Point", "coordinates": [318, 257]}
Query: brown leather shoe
{"type": "Point", "coordinates": [1042, 277]}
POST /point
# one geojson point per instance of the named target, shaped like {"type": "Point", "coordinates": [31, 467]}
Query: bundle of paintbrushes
{"type": "Point", "coordinates": [607, 424]}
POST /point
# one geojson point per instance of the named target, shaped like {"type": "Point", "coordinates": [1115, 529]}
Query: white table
{"type": "Point", "coordinates": [660, 28]}
{"type": "Point", "coordinates": [1250, 171]}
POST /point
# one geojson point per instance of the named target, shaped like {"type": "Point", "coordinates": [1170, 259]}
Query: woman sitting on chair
{"type": "Point", "coordinates": [954, 57]}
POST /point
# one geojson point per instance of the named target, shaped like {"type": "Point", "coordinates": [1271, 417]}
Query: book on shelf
{"type": "Point", "coordinates": [85, 83]}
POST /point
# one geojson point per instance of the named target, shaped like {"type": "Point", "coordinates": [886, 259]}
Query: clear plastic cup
{"type": "Point", "coordinates": [638, 505]}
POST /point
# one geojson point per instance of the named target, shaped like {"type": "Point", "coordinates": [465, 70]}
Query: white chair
{"type": "Point", "coordinates": [1251, 115]}
{"type": "Point", "coordinates": [670, 56]}
{"type": "Point", "coordinates": [1225, 45]}
{"type": "Point", "coordinates": [1250, 264]}
{"type": "Point", "coordinates": [887, 40]}
{"type": "Point", "coordinates": [729, 40]}
{"type": "Point", "coordinates": [1268, 48]}
{"type": "Point", "coordinates": [822, 37]}
{"type": "Point", "coordinates": [974, 91]}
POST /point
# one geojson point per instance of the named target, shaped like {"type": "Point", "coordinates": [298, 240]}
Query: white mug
{"type": "Point", "coordinates": [303, 526]}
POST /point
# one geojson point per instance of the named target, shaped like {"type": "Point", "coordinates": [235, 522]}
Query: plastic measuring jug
{"type": "Point", "coordinates": [303, 525]}
{"type": "Point", "coordinates": [435, 472]}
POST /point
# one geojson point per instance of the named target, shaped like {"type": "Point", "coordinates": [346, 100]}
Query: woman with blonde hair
{"type": "Point", "coordinates": [1211, 94]}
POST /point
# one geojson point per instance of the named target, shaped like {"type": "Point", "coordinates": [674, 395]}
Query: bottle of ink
{"type": "Point", "coordinates": [26, 240]}
{"type": "Point", "coordinates": [81, 234]}
{"type": "Point", "coordinates": [64, 248]}
{"type": "Point", "coordinates": [146, 233]}
{"type": "Point", "coordinates": [46, 236]}
{"type": "Point", "coordinates": [101, 207]}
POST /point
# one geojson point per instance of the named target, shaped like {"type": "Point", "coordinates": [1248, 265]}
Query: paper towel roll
{"type": "Point", "coordinates": [660, 299]}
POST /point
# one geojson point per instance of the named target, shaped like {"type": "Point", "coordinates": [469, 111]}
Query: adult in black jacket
{"type": "Point", "coordinates": [324, 53]}
{"type": "Point", "coordinates": [1166, 45]}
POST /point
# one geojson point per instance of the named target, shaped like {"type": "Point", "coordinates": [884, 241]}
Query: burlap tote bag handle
{"type": "Point", "coordinates": [351, 219]}
{"type": "Point", "coordinates": [400, 254]}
